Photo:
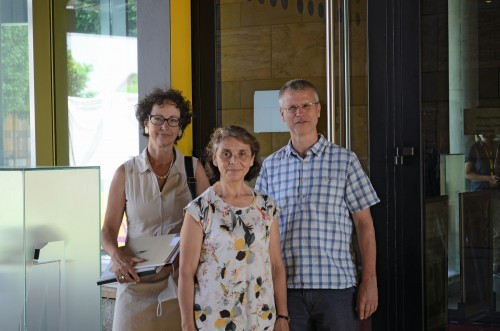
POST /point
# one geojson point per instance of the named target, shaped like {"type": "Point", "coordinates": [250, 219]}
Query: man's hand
{"type": "Point", "coordinates": [367, 300]}
{"type": "Point", "coordinates": [281, 324]}
{"type": "Point", "coordinates": [494, 180]}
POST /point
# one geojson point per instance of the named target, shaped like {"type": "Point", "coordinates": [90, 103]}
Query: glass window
{"type": "Point", "coordinates": [15, 149]}
{"type": "Point", "coordinates": [102, 86]}
{"type": "Point", "coordinates": [461, 129]}
{"type": "Point", "coordinates": [262, 45]}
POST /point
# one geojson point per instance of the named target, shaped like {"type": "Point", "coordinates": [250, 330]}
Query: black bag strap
{"type": "Point", "coordinates": [191, 180]}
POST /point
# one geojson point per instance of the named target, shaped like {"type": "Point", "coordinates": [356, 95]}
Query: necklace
{"type": "Point", "coordinates": [168, 172]}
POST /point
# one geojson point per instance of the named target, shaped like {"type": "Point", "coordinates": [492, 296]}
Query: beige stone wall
{"type": "Point", "coordinates": [262, 46]}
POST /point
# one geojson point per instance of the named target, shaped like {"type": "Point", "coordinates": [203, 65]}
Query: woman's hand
{"type": "Point", "coordinates": [124, 267]}
{"type": "Point", "coordinates": [281, 324]}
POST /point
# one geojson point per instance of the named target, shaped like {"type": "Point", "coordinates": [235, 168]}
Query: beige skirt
{"type": "Point", "coordinates": [136, 306]}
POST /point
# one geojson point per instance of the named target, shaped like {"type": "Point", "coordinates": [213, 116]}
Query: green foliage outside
{"type": "Point", "coordinates": [15, 96]}
{"type": "Point", "coordinates": [131, 85]}
{"type": "Point", "coordinates": [88, 17]}
{"type": "Point", "coordinates": [78, 76]}
{"type": "Point", "coordinates": [132, 18]}
{"type": "Point", "coordinates": [14, 65]}
{"type": "Point", "coordinates": [14, 71]}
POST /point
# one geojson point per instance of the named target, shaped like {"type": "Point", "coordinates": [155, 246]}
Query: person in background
{"type": "Point", "coordinates": [480, 163]}
{"type": "Point", "coordinates": [232, 275]}
{"type": "Point", "coordinates": [482, 169]}
{"type": "Point", "coordinates": [151, 190]}
{"type": "Point", "coordinates": [323, 194]}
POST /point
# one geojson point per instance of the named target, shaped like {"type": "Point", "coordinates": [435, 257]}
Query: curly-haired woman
{"type": "Point", "coordinates": [151, 190]}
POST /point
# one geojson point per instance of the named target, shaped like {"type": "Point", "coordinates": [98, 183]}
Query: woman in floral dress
{"type": "Point", "coordinates": [232, 276]}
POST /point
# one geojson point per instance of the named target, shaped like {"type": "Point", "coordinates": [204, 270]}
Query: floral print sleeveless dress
{"type": "Point", "coordinates": [234, 288]}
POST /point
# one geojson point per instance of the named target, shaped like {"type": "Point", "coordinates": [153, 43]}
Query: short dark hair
{"type": "Point", "coordinates": [243, 136]}
{"type": "Point", "coordinates": [159, 97]}
{"type": "Point", "coordinates": [297, 85]}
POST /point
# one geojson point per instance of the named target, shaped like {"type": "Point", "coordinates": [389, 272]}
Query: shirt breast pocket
{"type": "Point", "coordinates": [328, 190]}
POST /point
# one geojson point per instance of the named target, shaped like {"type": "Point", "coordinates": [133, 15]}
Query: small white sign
{"type": "Point", "coordinates": [266, 113]}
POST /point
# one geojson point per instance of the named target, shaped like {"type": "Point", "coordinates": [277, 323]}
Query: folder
{"type": "Point", "coordinates": [158, 251]}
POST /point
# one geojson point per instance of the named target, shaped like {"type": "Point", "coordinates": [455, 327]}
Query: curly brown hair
{"type": "Point", "coordinates": [159, 97]}
{"type": "Point", "coordinates": [243, 136]}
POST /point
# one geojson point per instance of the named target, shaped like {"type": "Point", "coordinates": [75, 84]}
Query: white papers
{"type": "Point", "coordinates": [157, 250]}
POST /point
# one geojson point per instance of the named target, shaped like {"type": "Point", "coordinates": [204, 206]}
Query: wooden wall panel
{"type": "Point", "coordinates": [261, 47]}
{"type": "Point", "coordinates": [246, 53]}
{"type": "Point", "coordinates": [299, 50]}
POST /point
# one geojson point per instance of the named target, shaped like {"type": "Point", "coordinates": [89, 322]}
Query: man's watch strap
{"type": "Point", "coordinates": [284, 317]}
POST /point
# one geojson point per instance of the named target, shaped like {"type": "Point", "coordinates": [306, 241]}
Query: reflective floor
{"type": "Point", "coordinates": [485, 319]}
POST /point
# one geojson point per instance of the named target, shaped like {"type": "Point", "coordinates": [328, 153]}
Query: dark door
{"type": "Point", "coordinates": [434, 105]}
{"type": "Point", "coordinates": [396, 161]}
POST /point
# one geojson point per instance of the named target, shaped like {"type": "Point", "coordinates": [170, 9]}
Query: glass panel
{"type": "Point", "coordinates": [49, 249]}
{"type": "Point", "coordinates": [15, 149]}
{"type": "Point", "coordinates": [263, 44]}
{"type": "Point", "coordinates": [102, 85]}
{"type": "Point", "coordinates": [43, 282]}
{"type": "Point", "coordinates": [461, 130]}
{"type": "Point", "coordinates": [11, 250]}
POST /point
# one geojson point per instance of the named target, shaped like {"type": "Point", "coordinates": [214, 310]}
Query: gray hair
{"type": "Point", "coordinates": [297, 85]}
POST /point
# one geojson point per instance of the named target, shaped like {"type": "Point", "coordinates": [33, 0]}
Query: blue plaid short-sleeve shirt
{"type": "Point", "coordinates": [316, 196]}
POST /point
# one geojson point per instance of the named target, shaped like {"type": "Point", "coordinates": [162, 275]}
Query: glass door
{"type": "Point", "coordinates": [262, 44]}
{"type": "Point", "coordinates": [461, 129]}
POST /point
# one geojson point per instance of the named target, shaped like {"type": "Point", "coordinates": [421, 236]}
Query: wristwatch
{"type": "Point", "coordinates": [284, 317]}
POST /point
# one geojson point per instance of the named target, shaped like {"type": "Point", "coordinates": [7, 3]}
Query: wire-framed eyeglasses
{"type": "Point", "coordinates": [295, 108]}
{"type": "Point", "coordinates": [159, 120]}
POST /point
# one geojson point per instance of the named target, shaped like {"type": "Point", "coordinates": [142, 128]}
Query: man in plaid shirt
{"type": "Point", "coordinates": [323, 194]}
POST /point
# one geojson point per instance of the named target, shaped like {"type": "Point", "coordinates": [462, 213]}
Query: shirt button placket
{"type": "Point", "coordinates": [303, 187]}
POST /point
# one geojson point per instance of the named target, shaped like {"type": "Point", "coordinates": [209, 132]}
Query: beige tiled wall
{"type": "Point", "coordinates": [263, 46]}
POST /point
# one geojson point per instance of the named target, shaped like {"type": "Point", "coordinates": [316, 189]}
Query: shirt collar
{"type": "Point", "coordinates": [315, 149]}
{"type": "Point", "coordinates": [144, 164]}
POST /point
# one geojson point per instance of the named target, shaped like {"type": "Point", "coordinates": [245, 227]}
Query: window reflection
{"type": "Point", "coordinates": [102, 86]}
{"type": "Point", "coordinates": [460, 107]}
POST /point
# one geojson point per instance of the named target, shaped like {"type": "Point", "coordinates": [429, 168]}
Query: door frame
{"type": "Point", "coordinates": [204, 61]}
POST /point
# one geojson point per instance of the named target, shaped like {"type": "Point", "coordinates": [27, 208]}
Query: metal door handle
{"type": "Point", "coordinates": [401, 152]}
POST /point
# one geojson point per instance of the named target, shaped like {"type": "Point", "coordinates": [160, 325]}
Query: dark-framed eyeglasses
{"type": "Point", "coordinates": [159, 120]}
{"type": "Point", "coordinates": [295, 108]}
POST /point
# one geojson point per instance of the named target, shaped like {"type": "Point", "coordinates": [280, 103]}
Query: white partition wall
{"type": "Point", "coordinates": [12, 266]}
{"type": "Point", "coordinates": [57, 211]}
